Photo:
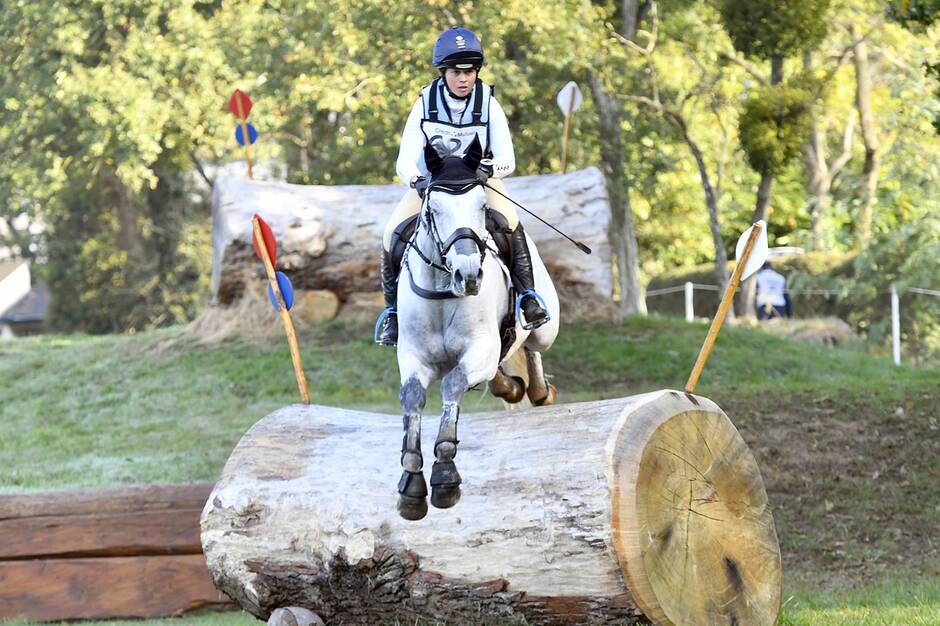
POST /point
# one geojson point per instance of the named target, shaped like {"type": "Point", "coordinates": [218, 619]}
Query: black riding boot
{"type": "Point", "coordinates": [386, 328]}
{"type": "Point", "coordinates": [530, 302]}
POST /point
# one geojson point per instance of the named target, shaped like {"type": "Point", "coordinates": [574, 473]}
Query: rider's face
{"type": "Point", "coordinates": [460, 82]}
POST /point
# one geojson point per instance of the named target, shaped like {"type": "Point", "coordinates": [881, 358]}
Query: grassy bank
{"type": "Point", "coordinates": [848, 444]}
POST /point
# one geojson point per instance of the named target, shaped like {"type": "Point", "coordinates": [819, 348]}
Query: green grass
{"type": "Point", "coordinates": [915, 604]}
{"type": "Point", "coordinates": [848, 444]}
{"type": "Point", "coordinates": [91, 411]}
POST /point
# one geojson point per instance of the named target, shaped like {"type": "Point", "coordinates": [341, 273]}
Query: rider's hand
{"type": "Point", "coordinates": [420, 184]}
{"type": "Point", "coordinates": [484, 170]}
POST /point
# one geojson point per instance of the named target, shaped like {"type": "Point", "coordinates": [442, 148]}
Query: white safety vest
{"type": "Point", "coordinates": [452, 137]}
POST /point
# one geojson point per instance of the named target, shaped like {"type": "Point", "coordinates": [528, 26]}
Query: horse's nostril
{"type": "Point", "coordinates": [458, 276]}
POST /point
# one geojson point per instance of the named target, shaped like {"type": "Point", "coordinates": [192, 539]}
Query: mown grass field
{"type": "Point", "coordinates": [849, 445]}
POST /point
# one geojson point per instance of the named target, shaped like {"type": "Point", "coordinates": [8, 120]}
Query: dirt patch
{"type": "Point", "coordinates": [853, 482]}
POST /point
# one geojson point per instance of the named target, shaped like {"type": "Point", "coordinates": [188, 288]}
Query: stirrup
{"type": "Point", "coordinates": [389, 310]}
{"type": "Point", "coordinates": [519, 316]}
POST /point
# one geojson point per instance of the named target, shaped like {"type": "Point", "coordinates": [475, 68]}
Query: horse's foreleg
{"type": "Point", "coordinates": [445, 480]}
{"type": "Point", "coordinates": [540, 391]}
{"type": "Point", "coordinates": [412, 490]}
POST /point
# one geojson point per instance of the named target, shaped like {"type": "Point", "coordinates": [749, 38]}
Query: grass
{"type": "Point", "coordinates": [848, 445]}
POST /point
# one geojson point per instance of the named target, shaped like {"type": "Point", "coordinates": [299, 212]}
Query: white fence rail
{"type": "Point", "coordinates": [689, 289]}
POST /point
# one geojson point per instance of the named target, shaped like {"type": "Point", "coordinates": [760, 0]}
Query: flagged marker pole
{"type": "Point", "coordinates": [240, 106]}
{"type": "Point", "coordinates": [262, 239]}
{"type": "Point", "coordinates": [755, 238]}
{"type": "Point", "coordinates": [569, 100]}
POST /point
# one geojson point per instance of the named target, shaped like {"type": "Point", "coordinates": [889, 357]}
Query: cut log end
{"type": "Point", "coordinates": [690, 521]}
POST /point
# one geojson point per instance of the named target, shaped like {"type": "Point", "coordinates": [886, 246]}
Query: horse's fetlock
{"type": "Point", "coordinates": [412, 461]}
{"type": "Point", "coordinates": [445, 450]}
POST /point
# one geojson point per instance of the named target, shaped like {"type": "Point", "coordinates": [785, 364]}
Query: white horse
{"type": "Point", "coordinates": [452, 296]}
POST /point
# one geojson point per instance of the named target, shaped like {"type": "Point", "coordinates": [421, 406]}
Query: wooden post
{"type": "Point", "coordinates": [722, 311]}
{"type": "Point", "coordinates": [895, 325]}
{"type": "Point", "coordinates": [244, 124]}
{"type": "Point", "coordinates": [285, 315]}
{"type": "Point", "coordinates": [564, 140]}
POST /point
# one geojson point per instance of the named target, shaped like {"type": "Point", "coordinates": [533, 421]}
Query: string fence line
{"type": "Point", "coordinates": [895, 293]}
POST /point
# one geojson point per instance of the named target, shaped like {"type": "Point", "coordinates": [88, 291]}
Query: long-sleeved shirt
{"type": "Point", "coordinates": [411, 152]}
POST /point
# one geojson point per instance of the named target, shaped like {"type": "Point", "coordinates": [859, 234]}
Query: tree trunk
{"type": "Point", "coordinates": [711, 201]}
{"type": "Point", "coordinates": [622, 232]}
{"type": "Point", "coordinates": [578, 514]}
{"type": "Point", "coordinates": [128, 236]}
{"type": "Point", "coordinates": [870, 137]}
{"type": "Point", "coordinates": [762, 207]}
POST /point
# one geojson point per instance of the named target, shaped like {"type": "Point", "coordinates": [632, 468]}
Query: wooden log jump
{"type": "Point", "coordinates": [590, 513]}
{"type": "Point", "coordinates": [128, 552]}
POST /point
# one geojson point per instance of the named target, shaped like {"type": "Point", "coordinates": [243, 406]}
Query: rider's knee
{"type": "Point", "coordinates": [408, 206]}
{"type": "Point", "coordinates": [500, 204]}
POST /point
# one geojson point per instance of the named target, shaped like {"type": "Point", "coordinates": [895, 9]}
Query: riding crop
{"type": "Point", "coordinates": [580, 245]}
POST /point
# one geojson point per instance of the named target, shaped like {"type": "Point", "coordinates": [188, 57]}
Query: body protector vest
{"type": "Point", "coordinates": [452, 137]}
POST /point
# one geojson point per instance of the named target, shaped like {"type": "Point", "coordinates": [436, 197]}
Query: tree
{"type": "Point", "coordinates": [657, 102]}
{"type": "Point", "coordinates": [776, 119]}
{"type": "Point", "coordinates": [104, 106]}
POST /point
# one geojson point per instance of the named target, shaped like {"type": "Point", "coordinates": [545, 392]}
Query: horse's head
{"type": "Point", "coordinates": [455, 216]}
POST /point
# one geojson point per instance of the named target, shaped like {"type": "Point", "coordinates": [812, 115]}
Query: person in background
{"type": "Point", "coordinates": [772, 297]}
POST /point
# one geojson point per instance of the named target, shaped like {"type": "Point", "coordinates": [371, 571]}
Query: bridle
{"type": "Point", "coordinates": [453, 187]}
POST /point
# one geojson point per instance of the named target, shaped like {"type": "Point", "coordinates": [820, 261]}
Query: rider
{"type": "Point", "coordinates": [453, 109]}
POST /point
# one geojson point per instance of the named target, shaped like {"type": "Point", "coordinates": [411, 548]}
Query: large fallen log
{"type": "Point", "coordinates": [588, 513]}
{"type": "Point", "coordinates": [329, 237]}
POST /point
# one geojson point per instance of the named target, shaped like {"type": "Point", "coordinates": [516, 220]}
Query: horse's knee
{"type": "Point", "coordinates": [413, 395]}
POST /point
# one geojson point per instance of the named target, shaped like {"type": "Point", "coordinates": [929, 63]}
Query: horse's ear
{"type": "Point", "coordinates": [474, 153]}
{"type": "Point", "coordinates": [432, 159]}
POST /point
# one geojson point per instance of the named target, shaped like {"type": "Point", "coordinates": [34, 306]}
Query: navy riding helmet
{"type": "Point", "coordinates": [458, 48]}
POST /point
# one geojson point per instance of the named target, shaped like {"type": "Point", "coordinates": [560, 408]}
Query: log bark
{"type": "Point", "coordinates": [329, 237]}
{"type": "Point", "coordinates": [590, 513]}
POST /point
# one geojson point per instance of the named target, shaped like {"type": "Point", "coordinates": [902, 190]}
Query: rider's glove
{"type": "Point", "coordinates": [420, 184]}
{"type": "Point", "coordinates": [484, 170]}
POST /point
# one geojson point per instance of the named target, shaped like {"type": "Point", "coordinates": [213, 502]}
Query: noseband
{"type": "Point", "coordinates": [453, 187]}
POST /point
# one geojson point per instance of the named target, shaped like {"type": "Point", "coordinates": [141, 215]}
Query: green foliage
{"type": "Point", "coordinates": [106, 107]}
{"type": "Point", "coordinates": [907, 257]}
{"type": "Point", "coordinates": [911, 13]}
{"type": "Point", "coordinates": [774, 126]}
{"type": "Point", "coordinates": [775, 29]}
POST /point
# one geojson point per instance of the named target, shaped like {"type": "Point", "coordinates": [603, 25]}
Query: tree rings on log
{"type": "Point", "coordinates": [691, 525]}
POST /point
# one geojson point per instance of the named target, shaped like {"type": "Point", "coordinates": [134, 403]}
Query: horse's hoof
{"type": "Point", "coordinates": [445, 484]}
{"type": "Point", "coordinates": [549, 397]}
{"type": "Point", "coordinates": [411, 508]}
{"type": "Point", "coordinates": [445, 496]}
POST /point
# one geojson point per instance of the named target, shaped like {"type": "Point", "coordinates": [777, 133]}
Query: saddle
{"type": "Point", "coordinates": [499, 230]}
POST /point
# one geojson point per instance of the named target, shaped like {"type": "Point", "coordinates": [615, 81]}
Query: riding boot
{"type": "Point", "coordinates": [530, 303]}
{"type": "Point", "coordinates": [386, 328]}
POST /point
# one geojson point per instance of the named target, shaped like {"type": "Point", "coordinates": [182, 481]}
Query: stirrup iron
{"type": "Point", "coordinates": [519, 315]}
{"type": "Point", "coordinates": [389, 310]}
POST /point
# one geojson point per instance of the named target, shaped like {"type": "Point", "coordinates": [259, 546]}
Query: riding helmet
{"type": "Point", "coordinates": [458, 48]}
